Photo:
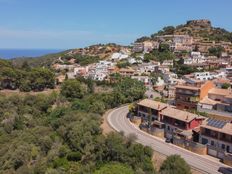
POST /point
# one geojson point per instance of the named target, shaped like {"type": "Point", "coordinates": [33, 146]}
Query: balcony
{"type": "Point", "coordinates": [215, 136]}
{"type": "Point", "coordinates": [225, 137]}
{"type": "Point", "coordinates": [187, 93]}
{"type": "Point", "coordinates": [186, 102]}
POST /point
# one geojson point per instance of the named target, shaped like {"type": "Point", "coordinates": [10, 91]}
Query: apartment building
{"type": "Point", "coordinates": [229, 72]}
{"type": "Point", "coordinates": [217, 135]}
{"type": "Point", "coordinates": [168, 119]}
{"type": "Point", "coordinates": [148, 107]}
{"type": "Point", "coordinates": [170, 78]}
{"type": "Point", "coordinates": [188, 95]}
{"type": "Point", "coordinates": [179, 122]}
{"type": "Point", "coordinates": [127, 72]}
{"type": "Point", "coordinates": [218, 102]}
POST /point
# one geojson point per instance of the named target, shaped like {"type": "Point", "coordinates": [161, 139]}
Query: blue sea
{"type": "Point", "coordinates": [14, 53]}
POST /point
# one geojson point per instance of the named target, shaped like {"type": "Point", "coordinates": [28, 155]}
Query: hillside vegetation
{"type": "Point", "coordinates": [97, 52]}
{"type": "Point", "coordinates": [196, 28]}
{"type": "Point", "coordinates": [25, 78]}
{"type": "Point", "coordinates": [61, 133]}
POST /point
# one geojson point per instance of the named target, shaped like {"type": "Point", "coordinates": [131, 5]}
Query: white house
{"type": "Point", "coordinates": [118, 56]}
{"type": "Point", "coordinates": [170, 78]}
{"type": "Point", "coordinates": [160, 82]}
{"type": "Point", "coordinates": [203, 76]}
{"type": "Point", "coordinates": [146, 68]}
{"type": "Point", "coordinates": [194, 60]}
{"type": "Point", "coordinates": [219, 74]}
{"type": "Point", "coordinates": [144, 79]}
{"type": "Point", "coordinates": [167, 63]}
{"type": "Point", "coordinates": [81, 70]}
{"type": "Point", "coordinates": [99, 76]}
{"type": "Point", "coordinates": [188, 61]}
{"type": "Point", "coordinates": [132, 60]}
{"type": "Point", "coordinates": [104, 63]}
{"type": "Point", "coordinates": [195, 54]}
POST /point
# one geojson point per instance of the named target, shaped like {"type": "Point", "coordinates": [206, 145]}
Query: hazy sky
{"type": "Point", "coordinates": [77, 23]}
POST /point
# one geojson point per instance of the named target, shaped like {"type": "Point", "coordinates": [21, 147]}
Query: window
{"type": "Point", "coordinates": [212, 143]}
{"type": "Point", "coordinates": [223, 135]}
{"type": "Point", "coordinates": [207, 131]}
{"type": "Point", "coordinates": [223, 146]}
{"type": "Point", "coordinates": [228, 148]}
{"type": "Point", "coordinates": [204, 141]}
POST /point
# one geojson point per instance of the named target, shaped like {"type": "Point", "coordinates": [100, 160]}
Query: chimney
{"type": "Point", "coordinates": [187, 117]}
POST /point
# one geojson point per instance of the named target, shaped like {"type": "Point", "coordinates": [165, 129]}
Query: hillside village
{"type": "Point", "coordinates": [189, 68]}
{"type": "Point", "coordinates": [187, 73]}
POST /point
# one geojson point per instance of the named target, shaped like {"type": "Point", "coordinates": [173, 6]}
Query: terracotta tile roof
{"type": "Point", "coordinates": [218, 91]}
{"type": "Point", "coordinates": [180, 115]}
{"type": "Point", "coordinates": [187, 87]}
{"type": "Point", "coordinates": [229, 96]}
{"type": "Point", "coordinates": [126, 70]}
{"type": "Point", "coordinates": [152, 104]}
{"type": "Point", "coordinates": [209, 101]}
{"type": "Point", "coordinates": [222, 81]}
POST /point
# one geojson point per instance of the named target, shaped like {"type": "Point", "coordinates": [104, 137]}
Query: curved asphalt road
{"type": "Point", "coordinates": [118, 121]}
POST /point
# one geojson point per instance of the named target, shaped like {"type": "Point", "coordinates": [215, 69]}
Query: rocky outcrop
{"type": "Point", "coordinates": [199, 23]}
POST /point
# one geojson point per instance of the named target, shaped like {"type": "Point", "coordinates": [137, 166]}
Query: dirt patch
{"type": "Point", "coordinates": [106, 129]}
{"type": "Point", "coordinates": [104, 89]}
{"type": "Point", "coordinates": [158, 159]}
{"type": "Point", "coordinates": [8, 92]}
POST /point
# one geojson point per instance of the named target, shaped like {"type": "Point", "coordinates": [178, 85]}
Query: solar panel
{"type": "Point", "coordinates": [216, 123]}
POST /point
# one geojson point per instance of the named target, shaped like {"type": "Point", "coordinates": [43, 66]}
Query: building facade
{"type": "Point", "coordinates": [188, 96]}
{"type": "Point", "coordinates": [217, 135]}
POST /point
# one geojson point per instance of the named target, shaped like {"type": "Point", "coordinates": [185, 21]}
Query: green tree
{"type": "Point", "coordinates": [123, 64]}
{"type": "Point", "coordinates": [160, 54]}
{"type": "Point", "coordinates": [74, 156]}
{"type": "Point", "coordinates": [142, 39]}
{"type": "Point", "coordinates": [72, 89]}
{"type": "Point", "coordinates": [90, 84]}
{"type": "Point", "coordinates": [25, 86]}
{"type": "Point", "coordinates": [164, 47]}
{"type": "Point", "coordinates": [169, 30]}
{"type": "Point", "coordinates": [41, 78]}
{"type": "Point", "coordinates": [216, 51]}
{"type": "Point", "coordinates": [174, 164]}
{"type": "Point", "coordinates": [131, 89]}
{"type": "Point", "coordinates": [226, 85]}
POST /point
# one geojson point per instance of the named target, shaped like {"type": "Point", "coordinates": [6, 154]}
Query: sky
{"type": "Point", "coordinates": [65, 24]}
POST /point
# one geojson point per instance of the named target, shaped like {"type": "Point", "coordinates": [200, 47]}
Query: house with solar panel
{"type": "Point", "coordinates": [217, 135]}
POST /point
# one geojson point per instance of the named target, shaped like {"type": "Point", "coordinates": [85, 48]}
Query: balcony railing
{"type": "Point", "coordinates": [210, 135]}
{"type": "Point", "coordinates": [187, 93]}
